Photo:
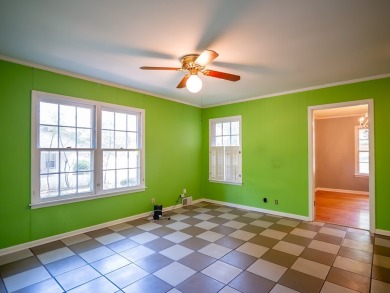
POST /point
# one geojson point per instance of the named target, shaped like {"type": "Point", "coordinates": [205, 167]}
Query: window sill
{"type": "Point", "coordinates": [56, 202]}
{"type": "Point", "coordinates": [226, 182]}
{"type": "Point", "coordinates": [362, 175]}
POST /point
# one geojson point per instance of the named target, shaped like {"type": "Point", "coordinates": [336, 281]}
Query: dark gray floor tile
{"type": "Point", "coordinates": [349, 280]}
{"type": "Point", "coordinates": [195, 243]}
{"type": "Point", "coordinates": [49, 286]}
{"type": "Point", "coordinates": [238, 259]}
{"type": "Point", "coordinates": [302, 241]}
{"type": "Point", "coordinates": [253, 228]}
{"type": "Point", "coordinates": [318, 256]}
{"type": "Point", "coordinates": [162, 231]}
{"type": "Point", "coordinates": [154, 262]}
{"type": "Point", "coordinates": [355, 254]}
{"type": "Point", "coordinates": [270, 218]}
{"type": "Point", "coordinates": [223, 229]}
{"type": "Point", "coordinates": [131, 232]}
{"type": "Point", "coordinates": [337, 227]}
{"type": "Point", "coordinates": [329, 238]}
{"type": "Point", "coordinates": [85, 246]}
{"type": "Point", "coordinates": [197, 261]}
{"type": "Point", "coordinates": [47, 247]}
{"type": "Point", "coordinates": [218, 220]}
{"type": "Point", "coordinates": [214, 213]}
{"type": "Point", "coordinates": [191, 221]}
{"type": "Point", "coordinates": [280, 258]}
{"type": "Point", "coordinates": [193, 231]}
{"type": "Point", "coordinates": [100, 232]}
{"type": "Point", "coordinates": [382, 250]}
{"type": "Point", "coordinates": [301, 282]}
{"type": "Point", "coordinates": [19, 266]}
{"type": "Point", "coordinates": [308, 226]}
{"type": "Point", "coordinates": [200, 283]}
{"type": "Point", "coordinates": [264, 241]}
{"type": "Point", "coordinates": [2, 286]}
{"type": "Point", "coordinates": [159, 244]}
{"type": "Point", "coordinates": [150, 284]}
{"type": "Point", "coordinates": [238, 212]}
{"type": "Point", "coordinates": [281, 228]}
{"type": "Point", "coordinates": [230, 242]}
{"type": "Point", "coordinates": [381, 274]}
{"type": "Point", "coordinates": [65, 265]}
{"type": "Point", "coordinates": [247, 282]}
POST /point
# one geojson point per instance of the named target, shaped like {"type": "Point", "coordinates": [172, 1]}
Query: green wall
{"type": "Point", "coordinates": [275, 152]}
{"type": "Point", "coordinates": [275, 148]}
{"type": "Point", "coordinates": [173, 156]}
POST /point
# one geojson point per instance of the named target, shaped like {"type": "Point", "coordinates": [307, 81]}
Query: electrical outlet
{"type": "Point", "coordinates": [276, 202]}
{"type": "Point", "coordinates": [153, 200]}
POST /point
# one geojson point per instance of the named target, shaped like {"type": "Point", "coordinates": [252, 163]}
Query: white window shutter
{"type": "Point", "coordinates": [233, 163]}
{"type": "Point", "coordinates": [217, 163]}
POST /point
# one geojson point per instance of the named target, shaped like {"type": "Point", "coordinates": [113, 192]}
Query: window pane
{"type": "Point", "coordinates": [107, 120]}
{"type": "Point", "coordinates": [121, 160]}
{"type": "Point", "coordinates": [218, 141]}
{"type": "Point", "coordinates": [363, 157]}
{"type": "Point", "coordinates": [363, 145]}
{"type": "Point", "coordinates": [84, 138]}
{"type": "Point", "coordinates": [48, 137]}
{"type": "Point", "coordinates": [48, 113]}
{"type": "Point", "coordinates": [84, 117]}
{"type": "Point", "coordinates": [226, 140]}
{"type": "Point", "coordinates": [235, 128]}
{"type": "Point", "coordinates": [68, 183]}
{"type": "Point", "coordinates": [226, 128]}
{"type": "Point", "coordinates": [84, 182]}
{"type": "Point", "coordinates": [107, 139]}
{"type": "Point", "coordinates": [132, 123]}
{"type": "Point", "coordinates": [68, 161]}
{"type": "Point", "coordinates": [218, 129]}
{"type": "Point", "coordinates": [120, 121]}
{"type": "Point", "coordinates": [364, 168]}
{"type": "Point", "coordinates": [235, 140]}
{"type": "Point", "coordinates": [84, 161]}
{"type": "Point", "coordinates": [134, 177]}
{"type": "Point", "coordinates": [49, 162]}
{"type": "Point", "coordinates": [134, 159]}
{"type": "Point", "coordinates": [108, 179]}
{"type": "Point", "coordinates": [108, 160]}
{"type": "Point", "coordinates": [67, 115]}
{"type": "Point", "coordinates": [120, 139]}
{"type": "Point", "coordinates": [122, 178]}
{"type": "Point", "coordinates": [132, 141]}
{"type": "Point", "coordinates": [49, 185]}
{"type": "Point", "coordinates": [67, 137]}
{"type": "Point", "coordinates": [363, 133]}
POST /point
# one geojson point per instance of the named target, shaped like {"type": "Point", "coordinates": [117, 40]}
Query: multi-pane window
{"type": "Point", "coordinates": [82, 148]}
{"type": "Point", "coordinates": [121, 150]}
{"type": "Point", "coordinates": [225, 150]}
{"type": "Point", "coordinates": [362, 151]}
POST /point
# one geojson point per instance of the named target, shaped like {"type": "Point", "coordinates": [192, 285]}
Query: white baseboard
{"type": "Point", "coordinates": [382, 232]}
{"type": "Point", "coordinates": [276, 213]}
{"type": "Point", "coordinates": [343, 191]}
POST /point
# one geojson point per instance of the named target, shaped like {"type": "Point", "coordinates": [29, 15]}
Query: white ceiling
{"type": "Point", "coordinates": [274, 45]}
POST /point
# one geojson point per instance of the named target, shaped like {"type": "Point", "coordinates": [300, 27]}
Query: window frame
{"type": "Point", "coordinates": [97, 189]}
{"type": "Point", "coordinates": [212, 135]}
{"type": "Point", "coordinates": [358, 151]}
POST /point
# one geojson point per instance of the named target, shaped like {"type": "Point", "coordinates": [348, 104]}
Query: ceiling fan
{"type": "Point", "coordinates": [195, 63]}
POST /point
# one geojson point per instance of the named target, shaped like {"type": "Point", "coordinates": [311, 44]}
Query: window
{"type": "Point", "coordinates": [362, 152]}
{"type": "Point", "coordinates": [225, 150]}
{"type": "Point", "coordinates": [83, 149]}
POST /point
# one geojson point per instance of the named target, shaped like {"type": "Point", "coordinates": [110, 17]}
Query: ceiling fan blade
{"type": "Point", "coordinates": [183, 81]}
{"type": "Point", "coordinates": [206, 57]}
{"type": "Point", "coordinates": [222, 75]}
{"type": "Point", "coordinates": [159, 68]}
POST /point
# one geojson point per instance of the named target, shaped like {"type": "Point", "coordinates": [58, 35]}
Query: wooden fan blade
{"type": "Point", "coordinates": [206, 57]}
{"type": "Point", "coordinates": [159, 68]}
{"type": "Point", "coordinates": [222, 75]}
{"type": "Point", "coordinates": [183, 82]}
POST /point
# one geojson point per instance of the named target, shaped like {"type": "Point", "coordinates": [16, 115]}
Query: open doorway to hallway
{"type": "Point", "coordinates": [341, 186]}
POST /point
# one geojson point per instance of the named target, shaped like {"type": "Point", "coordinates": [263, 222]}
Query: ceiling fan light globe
{"type": "Point", "coordinates": [194, 84]}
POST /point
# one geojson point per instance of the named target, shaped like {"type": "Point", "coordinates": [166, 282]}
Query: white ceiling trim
{"type": "Point", "coordinates": [99, 81]}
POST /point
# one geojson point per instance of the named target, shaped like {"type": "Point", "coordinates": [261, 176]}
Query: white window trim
{"type": "Point", "coordinates": [36, 201]}
{"type": "Point", "coordinates": [357, 173]}
{"type": "Point", "coordinates": [211, 137]}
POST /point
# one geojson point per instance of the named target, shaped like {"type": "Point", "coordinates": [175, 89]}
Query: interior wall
{"type": "Point", "coordinates": [173, 158]}
{"type": "Point", "coordinates": [275, 148]}
{"type": "Point", "coordinates": [335, 154]}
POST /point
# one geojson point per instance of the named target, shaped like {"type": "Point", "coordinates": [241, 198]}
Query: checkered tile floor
{"type": "Point", "coordinates": [205, 248]}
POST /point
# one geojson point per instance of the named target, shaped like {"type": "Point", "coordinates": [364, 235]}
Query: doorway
{"type": "Point", "coordinates": [338, 194]}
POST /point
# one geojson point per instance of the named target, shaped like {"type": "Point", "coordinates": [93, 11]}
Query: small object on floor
{"type": "Point", "coordinates": [157, 212]}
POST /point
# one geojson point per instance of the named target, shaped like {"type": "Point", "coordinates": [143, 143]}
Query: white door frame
{"type": "Point", "coordinates": [311, 133]}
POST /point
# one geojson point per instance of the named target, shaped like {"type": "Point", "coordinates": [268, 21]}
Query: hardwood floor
{"type": "Point", "coordinates": [350, 210]}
